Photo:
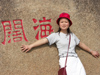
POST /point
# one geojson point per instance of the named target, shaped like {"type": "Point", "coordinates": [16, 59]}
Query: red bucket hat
{"type": "Point", "coordinates": [64, 15]}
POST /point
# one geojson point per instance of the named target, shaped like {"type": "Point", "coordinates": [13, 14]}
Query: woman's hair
{"type": "Point", "coordinates": [68, 30]}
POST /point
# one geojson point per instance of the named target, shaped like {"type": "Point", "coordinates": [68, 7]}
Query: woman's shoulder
{"type": "Point", "coordinates": [72, 33]}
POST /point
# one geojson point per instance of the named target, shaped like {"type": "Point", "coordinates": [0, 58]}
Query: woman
{"type": "Point", "coordinates": [61, 38]}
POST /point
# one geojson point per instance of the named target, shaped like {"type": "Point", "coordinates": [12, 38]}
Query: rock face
{"type": "Point", "coordinates": [21, 20]}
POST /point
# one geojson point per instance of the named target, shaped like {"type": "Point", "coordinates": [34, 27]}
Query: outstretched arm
{"type": "Point", "coordinates": [26, 48]}
{"type": "Point", "coordinates": [83, 46]}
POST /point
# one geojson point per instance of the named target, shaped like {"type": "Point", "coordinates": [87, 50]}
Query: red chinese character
{"type": "Point", "coordinates": [18, 26]}
{"type": "Point", "coordinates": [43, 28]}
{"type": "Point", "coordinates": [8, 29]}
{"type": "Point", "coordinates": [44, 20]}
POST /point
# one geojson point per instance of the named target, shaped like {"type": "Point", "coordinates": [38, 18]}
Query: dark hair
{"type": "Point", "coordinates": [68, 30]}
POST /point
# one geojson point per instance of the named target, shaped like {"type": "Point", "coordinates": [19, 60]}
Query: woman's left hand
{"type": "Point", "coordinates": [95, 54]}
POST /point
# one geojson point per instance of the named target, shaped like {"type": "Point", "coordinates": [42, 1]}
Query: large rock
{"type": "Point", "coordinates": [43, 60]}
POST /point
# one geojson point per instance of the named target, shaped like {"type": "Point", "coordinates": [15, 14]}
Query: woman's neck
{"type": "Point", "coordinates": [64, 31]}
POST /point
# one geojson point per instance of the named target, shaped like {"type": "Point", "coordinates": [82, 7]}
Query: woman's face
{"type": "Point", "coordinates": [64, 24]}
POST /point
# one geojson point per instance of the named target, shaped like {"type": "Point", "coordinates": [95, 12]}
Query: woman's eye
{"type": "Point", "coordinates": [66, 22]}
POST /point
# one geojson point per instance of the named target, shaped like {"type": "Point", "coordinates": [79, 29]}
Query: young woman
{"type": "Point", "coordinates": [61, 38]}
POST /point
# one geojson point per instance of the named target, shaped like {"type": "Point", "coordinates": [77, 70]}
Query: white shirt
{"type": "Point", "coordinates": [62, 40]}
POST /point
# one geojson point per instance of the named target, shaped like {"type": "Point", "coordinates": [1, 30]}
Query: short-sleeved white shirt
{"type": "Point", "coordinates": [62, 40]}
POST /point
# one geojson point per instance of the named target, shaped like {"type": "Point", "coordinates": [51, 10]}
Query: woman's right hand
{"type": "Point", "coordinates": [26, 48]}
